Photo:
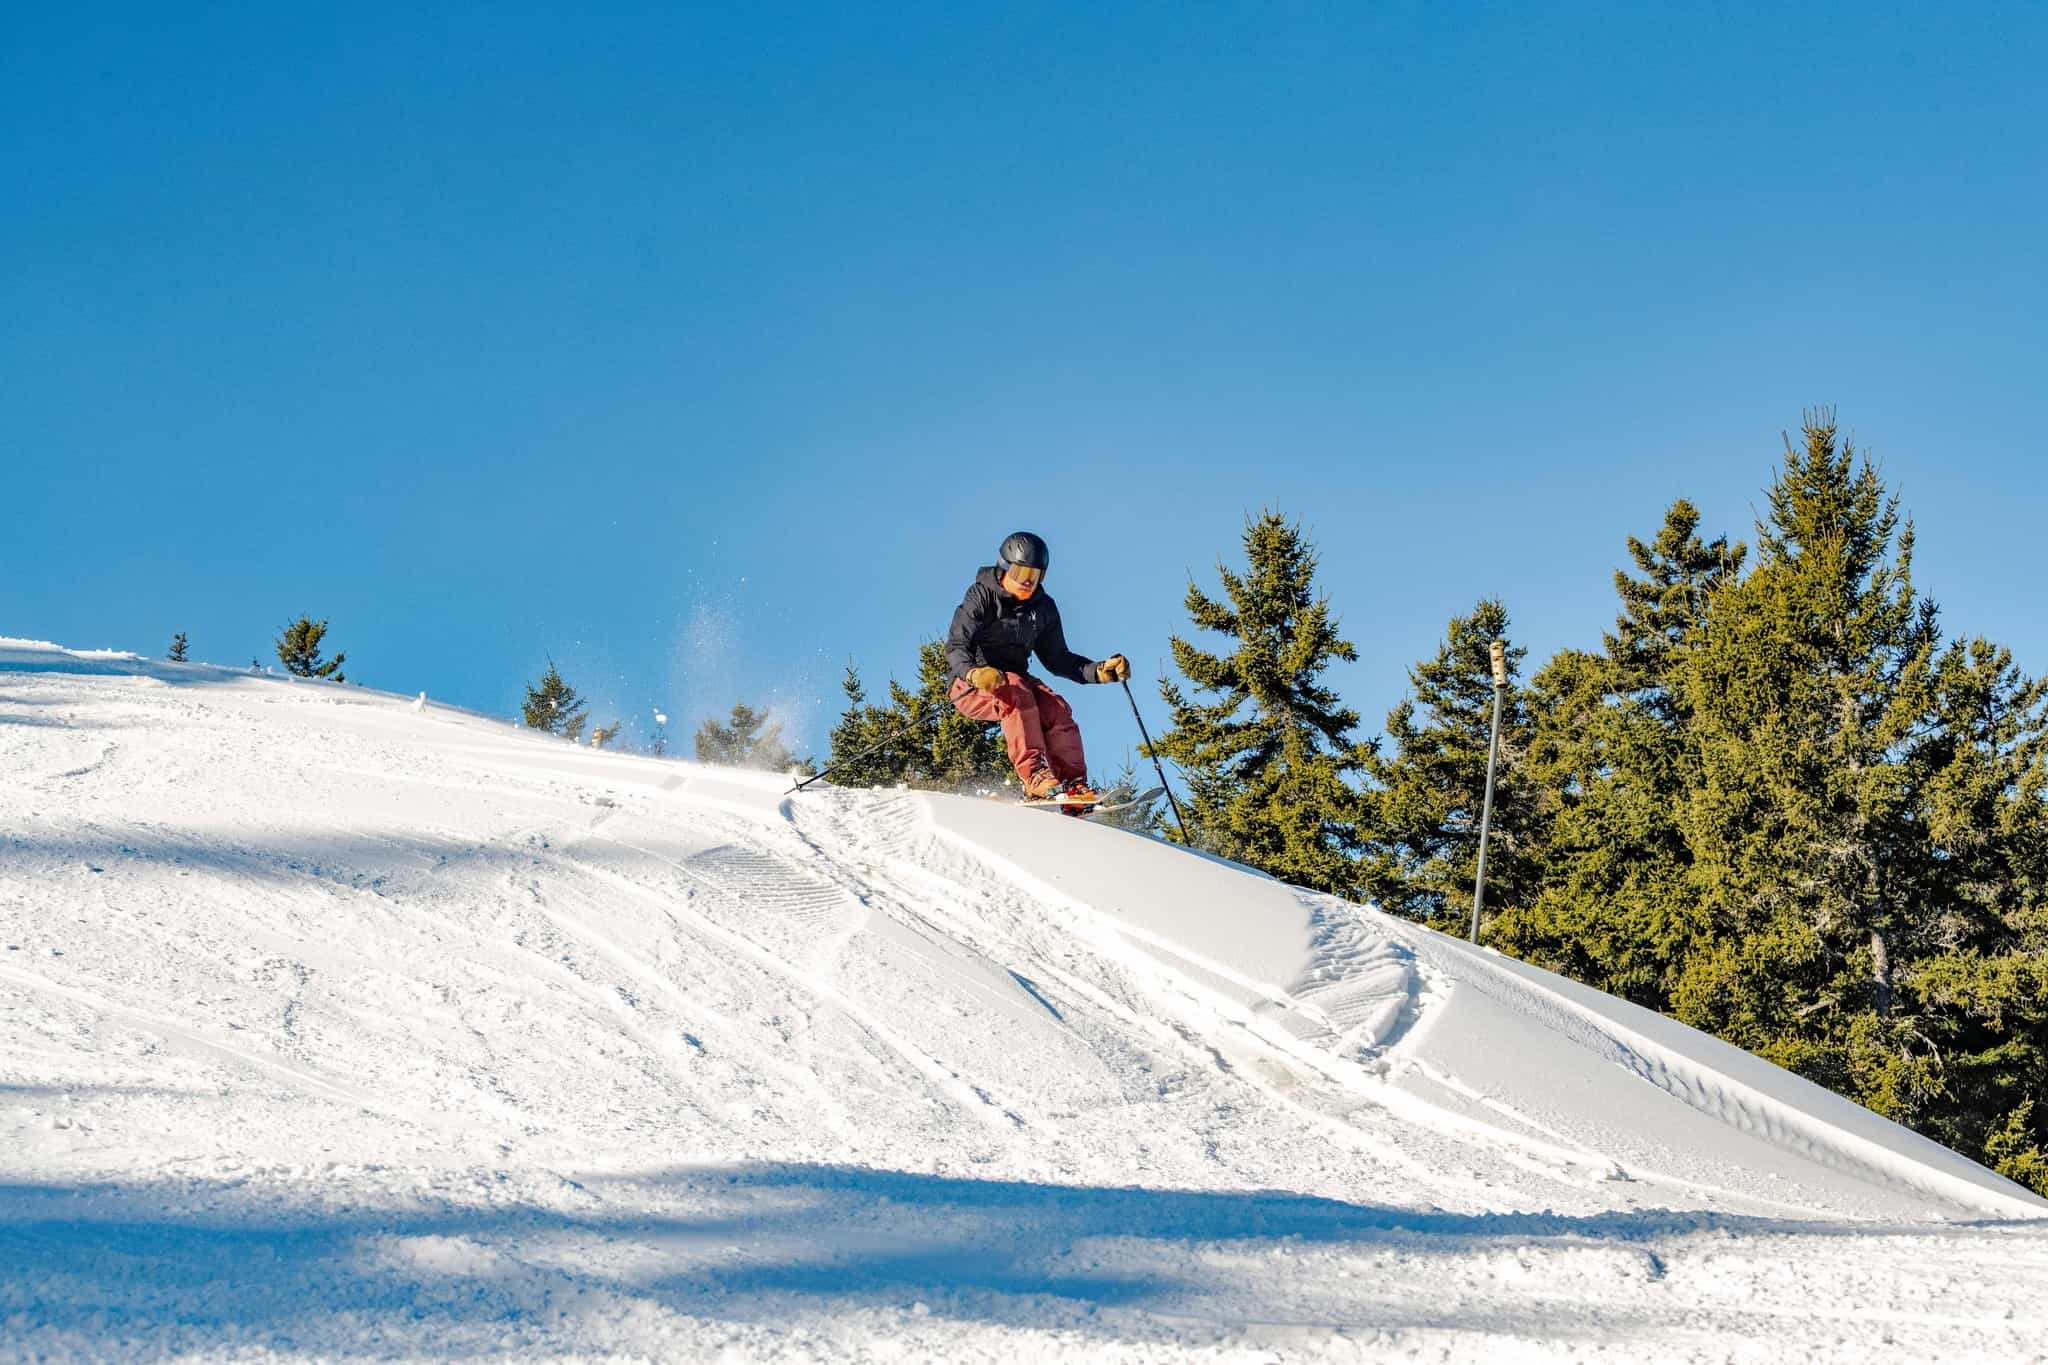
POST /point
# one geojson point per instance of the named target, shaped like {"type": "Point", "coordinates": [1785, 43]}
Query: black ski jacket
{"type": "Point", "coordinates": [994, 629]}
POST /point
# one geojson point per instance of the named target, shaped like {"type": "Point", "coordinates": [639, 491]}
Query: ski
{"type": "Point", "coordinates": [1143, 798]}
{"type": "Point", "coordinates": [1098, 804]}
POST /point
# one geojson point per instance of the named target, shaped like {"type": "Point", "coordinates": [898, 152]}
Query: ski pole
{"type": "Point", "coordinates": [905, 728]}
{"type": "Point", "coordinates": [1174, 800]}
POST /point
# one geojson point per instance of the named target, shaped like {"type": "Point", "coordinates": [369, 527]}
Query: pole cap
{"type": "Point", "coordinates": [1500, 663]}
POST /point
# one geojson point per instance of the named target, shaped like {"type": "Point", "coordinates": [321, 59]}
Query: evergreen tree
{"type": "Point", "coordinates": [1662, 610]}
{"type": "Point", "coordinates": [552, 706]}
{"type": "Point", "coordinates": [604, 735]}
{"type": "Point", "coordinates": [1266, 748]}
{"type": "Point", "coordinates": [860, 727]}
{"type": "Point", "coordinates": [1978, 982]}
{"type": "Point", "coordinates": [1612, 748]}
{"type": "Point", "coordinates": [1145, 818]}
{"type": "Point", "coordinates": [959, 752]}
{"type": "Point", "coordinates": [1421, 817]}
{"type": "Point", "coordinates": [1788, 815]}
{"type": "Point", "coordinates": [750, 739]}
{"type": "Point", "coordinates": [1807, 689]}
{"type": "Point", "coordinates": [929, 743]}
{"type": "Point", "coordinates": [298, 648]}
{"type": "Point", "coordinates": [177, 654]}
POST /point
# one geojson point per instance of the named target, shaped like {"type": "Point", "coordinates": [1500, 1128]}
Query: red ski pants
{"type": "Point", "coordinates": [1038, 725]}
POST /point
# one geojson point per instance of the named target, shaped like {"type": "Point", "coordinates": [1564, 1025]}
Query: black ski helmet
{"type": "Point", "coordinates": [1024, 550]}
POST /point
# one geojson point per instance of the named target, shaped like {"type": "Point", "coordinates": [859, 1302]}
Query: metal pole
{"type": "Point", "coordinates": [1156, 767]}
{"type": "Point", "coordinates": [905, 728]}
{"type": "Point", "coordinates": [1500, 685]}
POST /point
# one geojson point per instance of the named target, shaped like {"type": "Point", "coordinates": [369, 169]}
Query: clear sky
{"type": "Point", "coordinates": [706, 347]}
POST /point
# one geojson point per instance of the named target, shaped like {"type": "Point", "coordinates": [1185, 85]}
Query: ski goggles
{"type": "Point", "coordinates": [1016, 575]}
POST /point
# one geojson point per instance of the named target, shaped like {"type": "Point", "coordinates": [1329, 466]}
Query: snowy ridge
{"type": "Point", "coordinates": [485, 1044]}
{"type": "Point", "coordinates": [1363, 985]}
{"type": "Point", "coordinates": [1246, 1024]}
{"type": "Point", "coordinates": [1736, 1088]}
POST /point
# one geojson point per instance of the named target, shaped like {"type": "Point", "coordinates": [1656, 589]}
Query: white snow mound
{"type": "Point", "coordinates": [339, 1022]}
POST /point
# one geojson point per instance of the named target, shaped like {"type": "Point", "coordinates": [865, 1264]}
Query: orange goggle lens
{"type": "Point", "coordinates": [1016, 575]}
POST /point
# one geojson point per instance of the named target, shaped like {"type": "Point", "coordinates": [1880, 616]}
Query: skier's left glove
{"type": "Point", "coordinates": [1113, 669]}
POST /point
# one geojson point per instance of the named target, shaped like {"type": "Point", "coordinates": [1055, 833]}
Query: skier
{"type": "Point", "coordinates": [1005, 617]}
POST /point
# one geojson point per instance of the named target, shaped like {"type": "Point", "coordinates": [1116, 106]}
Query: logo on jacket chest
{"type": "Point", "coordinates": [1020, 625]}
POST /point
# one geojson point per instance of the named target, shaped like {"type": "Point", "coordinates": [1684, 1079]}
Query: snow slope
{"type": "Point", "coordinates": [336, 1024]}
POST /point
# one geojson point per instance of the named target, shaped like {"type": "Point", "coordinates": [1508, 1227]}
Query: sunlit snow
{"type": "Point", "coordinates": [335, 1024]}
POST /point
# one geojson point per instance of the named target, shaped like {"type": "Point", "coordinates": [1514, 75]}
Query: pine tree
{"type": "Point", "coordinates": [860, 727]}
{"type": "Point", "coordinates": [1125, 784]}
{"type": "Point", "coordinates": [604, 735]}
{"type": "Point", "coordinates": [1266, 748]}
{"type": "Point", "coordinates": [1786, 813]}
{"type": "Point", "coordinates": [928, 744]}
{"type": "Point", "coordinates": [1812, 677]}
{"type": "Point", "coordinates": [552, 706]}
{"type": "Point", "coordinates": [1773, 804]}
{"type": "Point", "coordinates": [1421, 817]}
{"type": "Point", "coordinates": [1662, 610]}
{"type": "Point", "coordinates": [298, 648]}
{"type": "Point", "coordinates": [959, 752]}
{"type": "Point", "coordinates": [1611, 748]}
{"type": "Point", "coordinates": [1980, 777]}
{"type": "Point", "coordinates": [177, 654]}
{"type": "Point", "coordinates": [750, 739]}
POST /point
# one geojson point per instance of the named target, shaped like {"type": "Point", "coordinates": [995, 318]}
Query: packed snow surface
{"type": "Point", "coordinates": [341, 1024]}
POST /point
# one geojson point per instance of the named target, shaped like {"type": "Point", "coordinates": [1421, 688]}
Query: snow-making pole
{"type": "Point", "coordinates": [1500, 685]}
{"type": "Point", "coordinates": [1156, 765]}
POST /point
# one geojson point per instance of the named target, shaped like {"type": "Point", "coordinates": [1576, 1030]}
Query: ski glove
{"type": "Point", "coordinates": [985, 679]}
{"type": "Point", "coordinates": [1113, 669]}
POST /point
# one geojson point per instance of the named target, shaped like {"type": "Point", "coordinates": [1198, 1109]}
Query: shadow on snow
{"type": "Point", "coordinates": [756, 1245]}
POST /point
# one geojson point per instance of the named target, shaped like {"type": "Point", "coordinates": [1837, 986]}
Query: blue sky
{"type": "Point", "coordinates": [707, 347]}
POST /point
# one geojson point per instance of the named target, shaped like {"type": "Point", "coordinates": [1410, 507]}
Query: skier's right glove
{"type": "Point", "coordinates": [985, 679]}
{"type": "Point", "coordinates": [1113, 669]}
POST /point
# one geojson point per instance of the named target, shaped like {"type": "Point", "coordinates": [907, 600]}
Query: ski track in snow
{"type": "Point", "coordinates": [335, 1027]}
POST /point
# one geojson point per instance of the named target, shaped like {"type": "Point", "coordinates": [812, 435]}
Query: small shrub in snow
{"type": "Point", "coordinates": [554, 706]}
{"type": "Point", "coordinates": [298, 648]}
